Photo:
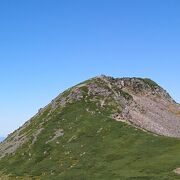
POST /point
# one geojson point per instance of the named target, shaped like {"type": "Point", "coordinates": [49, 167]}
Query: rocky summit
{"type": "Point", "coordinates": [103, 128]}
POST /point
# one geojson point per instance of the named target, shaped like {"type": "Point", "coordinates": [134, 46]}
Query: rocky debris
{"type": "Point", "coordinates": [177, 171]}
{"type": "Point", "coordinates": [14, 140]}
{"type": "Point", "coordinates": [10, 145]}
{"type": "Point", "coordinates": [57, 133]}
{"type": "Point", "coordinates": [145, 104]}
{"type": "Point", "coordinates": [144, 87]}
{"type": "Point", "coordinates": [103, 101]}
{"type": "Point", "coordinates": [74, 137]}
{"type": "Point", "coordinates": [157, 117]}
{"type": "Point", "coordinates": [36, 134]}
{"type": "Point", "coordinates": [142, 102]}
{"type": "Point", "coordinates": [109, 82]}
{"type": "Point", "coordinates": [137, 86]}
{"type": "Point", "coordinates": [89, 111]}
{"type": "Point", "coordinates": [62, 101]}
{"type": "Point", "coordinates": [95, 90]}
{"type": "Point", "coordinates": [152, 115]}
{"type": "Point", "coordinates": [75, 95]}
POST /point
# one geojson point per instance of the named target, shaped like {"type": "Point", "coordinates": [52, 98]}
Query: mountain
{"type": "Point", "coordinates": [103, 128]}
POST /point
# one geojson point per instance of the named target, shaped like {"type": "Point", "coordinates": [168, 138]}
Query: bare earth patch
{"type": "Point", "coordinates": [177, 171]}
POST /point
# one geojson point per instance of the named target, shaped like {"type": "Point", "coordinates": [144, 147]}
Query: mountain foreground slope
{"type": "Point", "coordinates": [103, 128]}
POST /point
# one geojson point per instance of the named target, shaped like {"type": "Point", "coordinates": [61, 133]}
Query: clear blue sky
{"type": "Point", "coordinates": [47, 46]}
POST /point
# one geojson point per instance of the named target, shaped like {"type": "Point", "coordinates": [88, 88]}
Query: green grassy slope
{"type": "Point", "coordinates": [95, 147]}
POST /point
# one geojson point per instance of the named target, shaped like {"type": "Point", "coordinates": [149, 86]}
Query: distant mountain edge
{"type": "Point", "coordinates": [1, 139]}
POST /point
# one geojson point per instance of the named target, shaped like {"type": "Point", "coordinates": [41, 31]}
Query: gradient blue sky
{"type": "Point", "coordinates": [47, 46]}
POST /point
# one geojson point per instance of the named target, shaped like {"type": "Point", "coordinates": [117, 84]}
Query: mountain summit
{"type": "Point", "coordinates": [90, 125]}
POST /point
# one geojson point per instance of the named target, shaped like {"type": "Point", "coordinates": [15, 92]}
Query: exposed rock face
{"type": "Point", "coordinates": [150, 108]}
{"type": "Point", "coordinates": [140, 102]}
{"type": "Point", "coordinates": [13, 142]}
